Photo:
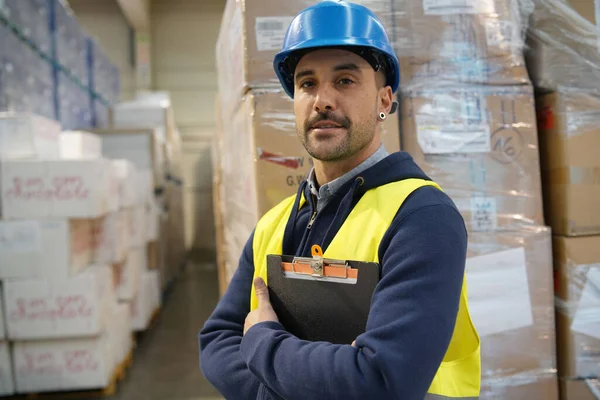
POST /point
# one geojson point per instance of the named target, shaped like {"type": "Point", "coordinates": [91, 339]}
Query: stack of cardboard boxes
{"type": "Point", "coordinates": [468, 119]}
{"type": "Point", "coordinates": [144, 132]}
{"type": "Point", "coordinates": [73, 256]}
{"type": "Point", "coordinates": [262, 160]}
{"type": "Point", "coordinates": [61, 314]}
{"type": "Point", "coordinates": [565, 65]}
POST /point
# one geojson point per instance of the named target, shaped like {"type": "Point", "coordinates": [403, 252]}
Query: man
{"type": "Point", "coordinates": [361, 204]}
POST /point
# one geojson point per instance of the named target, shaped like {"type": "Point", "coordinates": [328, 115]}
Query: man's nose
{"type": "Point", "coordinates": [325, 100]}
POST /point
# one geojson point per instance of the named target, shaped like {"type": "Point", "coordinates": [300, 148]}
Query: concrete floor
{"type": "Point", "coordinates": [165, 365]}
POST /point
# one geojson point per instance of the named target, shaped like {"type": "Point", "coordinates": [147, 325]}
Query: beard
{"type": "Point", "coordinates": [357, 137]}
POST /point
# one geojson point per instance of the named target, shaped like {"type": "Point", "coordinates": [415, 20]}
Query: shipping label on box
{"type": "Point", "coordinates": [52, 248]}
{"type": "Point", "coordinates": [25, 135]}
{"type": "Point", "coordinates": [62, 365]}
{"type": "Point", "coordinates": [65, 188]}
{"type": "Point", "coordinates": [80, 145]}
{"type": "Point", "coordinates": [38, 309]}
{"type": "Point", "coordinates": [7, 386]}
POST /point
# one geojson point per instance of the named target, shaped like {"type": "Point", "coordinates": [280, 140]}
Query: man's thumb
{"type": "Point", "coordinates": [262, 292]}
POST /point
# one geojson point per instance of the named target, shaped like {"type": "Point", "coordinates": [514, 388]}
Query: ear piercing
{"type": "Point", "coordinates": [382, 116]}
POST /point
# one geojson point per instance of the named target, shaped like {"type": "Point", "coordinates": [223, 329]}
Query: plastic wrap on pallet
{"type": "Point", "coordinates": [563, 48]}
{"type": "Point", "coordinates": [460, 41]}
{"type": "Point", "coordinates": [31, 16]}
{"type": "Point", "coordinates": [480, 144]}
{"type": "Point", "coordinates": [26, 83]}
{"type": "Point", "coordinates": [577, 263]}
{"type": "Point", "coordinates": [71, 42]}
{"type": "Point", "coordinates": [263, 161]}
{"type": "Point", "coordinates": [510, 289]}
{"type": "Point", "coordinates": [105, 74]}
{"type": "Point", "coordinates": [569, 126]}
{"type": "Point", "coordinates": [74, 101]}
{"type": "Point", "coordinates": [252, 31]}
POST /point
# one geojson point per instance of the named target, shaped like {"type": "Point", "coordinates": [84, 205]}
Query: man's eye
{"type": "Point", "coordinates": [346, 81]}
{"type": "Point", "coordinates": [306, 84]}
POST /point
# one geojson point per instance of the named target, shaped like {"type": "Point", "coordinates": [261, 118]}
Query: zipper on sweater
{"type": "Point", "coordinates": [312, 220]}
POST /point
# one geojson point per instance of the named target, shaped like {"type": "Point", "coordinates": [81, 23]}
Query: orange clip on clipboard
{"type": "Point", "coordinates": [320, 299]}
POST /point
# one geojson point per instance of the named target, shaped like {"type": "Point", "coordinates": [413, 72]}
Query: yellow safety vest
{"type": "Point", "coordinates": [459, 375]}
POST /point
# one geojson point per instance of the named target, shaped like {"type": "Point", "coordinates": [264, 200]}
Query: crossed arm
{"type": "Point", "coordinates": [410, 326]}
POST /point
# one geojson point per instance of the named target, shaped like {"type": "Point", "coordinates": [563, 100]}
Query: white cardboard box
{"type": "Point", "coordinates": [24, 135]}
{"type": "Point", "coordinates": [130, 276]}
{"type": "Point", "coordinates": [143, 147]}
{"type": "Point", "coordinates": [44, 309]}
{"type": "Point", "coordinates": [63, 365]}
{"type": "Point", "coordinates": [120, 332]}
{"type": "Point", "coordinates": [128, 183]}
{"type": "Point", "coordinates": [145, 302]}
{"type": "Point", "coordinates": [136, 225]}
{"type": "Point", "coordinates": [52, 248]}
{"type": "Point", "coordinates": [111, 239]}
{"type": "Point", "coordinates": [80, 145]}
{"type": "Point", "coordinates": [152, 221]}
{"type": "Point", "coordinates": [7, 386]}
{"type": "Point", "coordinates": [58, 188]}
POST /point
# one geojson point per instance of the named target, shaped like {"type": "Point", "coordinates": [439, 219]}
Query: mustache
{"type": "Point", "coordinates": [342, 121]}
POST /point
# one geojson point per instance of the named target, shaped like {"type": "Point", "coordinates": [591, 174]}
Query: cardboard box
{"type": "Point", "coordinates": [143, 147]}
{"type": "Point", "coordinates": [58, 188]}
{"type": "Point", "coordinates": [458, 42]}
{"type": "Point", "coordinates": [480, 145]}
{"type": "Point", "coordinates": [7, 385]}
{"type": "Point", "coordinates": [136, 226]}
{"type": "Point", "coordinates": [577, 269]}
{"type": "Point", "coordinates": [63, 365]}
{"type": "Point", "coordinates": [24, 135]}
{"type": "Point", "coordinates": [130, 276]}
{"type": "Point", "coordinates": [146, 301]}
{"type": "Point", "coordinates": [582, 389]}
{"type": "Point", "coordinates": [569, 139]}
{"type": "Point", "coordinates": [119, 333]}
{"type": "Point", "coordinates": [252, 32]}
{"type": "Point", "coordinates": [110, 238]}
{"type": "Point", "coordinates": [2, 323]}
{"type": "Point", "coordinates": [127, 175]}
{"type": "Point", "coordinates": [51, 249]}
{"type": "Point", "coordinates": [80, 145]}
{"type": "Point", "coordinates": [511, 301]}
{"type": "Point", "coordinates": [45, 309]}
{"type": "Point", "coordinates": [562, 48]}
{"type": "Point", "coordinates": [585, 8]}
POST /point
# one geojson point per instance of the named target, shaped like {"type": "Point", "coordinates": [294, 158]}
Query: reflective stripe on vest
{"type": "Point", "coordinates": [459, 374]}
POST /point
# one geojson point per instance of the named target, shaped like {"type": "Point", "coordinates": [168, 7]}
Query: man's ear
{"type": "Point", "coordinates": [386, 100]}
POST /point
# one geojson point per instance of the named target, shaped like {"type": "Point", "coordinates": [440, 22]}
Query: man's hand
{"type": "Point", "coordinates": [264, 311]}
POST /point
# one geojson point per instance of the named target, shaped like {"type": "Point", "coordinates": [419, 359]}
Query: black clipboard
{"type": "Point", "coordinates": [318, 299]}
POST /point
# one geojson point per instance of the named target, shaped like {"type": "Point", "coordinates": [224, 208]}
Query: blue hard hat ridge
{"type": "Point", "coordinates": [334, 23]}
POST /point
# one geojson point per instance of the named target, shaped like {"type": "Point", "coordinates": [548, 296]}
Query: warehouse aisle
{"type": "Point", "coordinates": [165, 365]}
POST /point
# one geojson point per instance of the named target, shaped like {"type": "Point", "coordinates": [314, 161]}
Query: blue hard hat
{"type": "Point", "coordinates": [336, 24]}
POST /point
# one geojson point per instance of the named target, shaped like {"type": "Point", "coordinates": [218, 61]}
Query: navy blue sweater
{"type": "Point", "coordinates": [411, 320]}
